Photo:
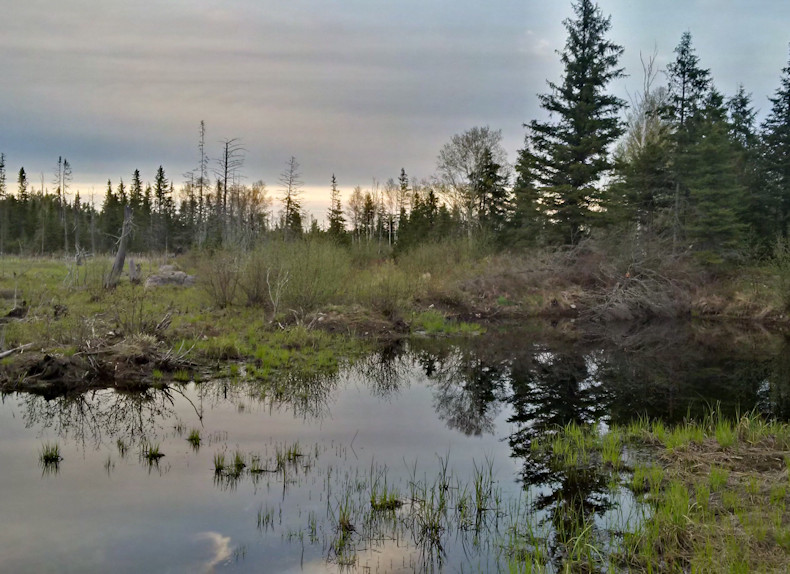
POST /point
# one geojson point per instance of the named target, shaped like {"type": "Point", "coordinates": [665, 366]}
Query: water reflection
{"type": "Point", "coordinates": [516, 387]}
{"type": "Point", "coordinates": [94, 417]}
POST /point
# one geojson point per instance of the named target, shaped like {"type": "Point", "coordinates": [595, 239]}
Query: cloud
{"type": "Point", "coordinates": [358, 88]}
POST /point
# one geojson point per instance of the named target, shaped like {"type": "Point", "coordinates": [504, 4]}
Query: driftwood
{"type": "Point", "coordinates": [10, 352]}
{"type": "Point", "coordinates": [117, 266]}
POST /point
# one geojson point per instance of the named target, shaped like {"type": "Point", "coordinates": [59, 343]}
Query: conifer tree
{"type": "Point", "coordinates": [713, 226]}
{"type": "Point", "coordinates": [491, 194]}
{"type": "Point", "coordinates": [776, 139]}
{"type": "Point", "coordinates": [292, 207]}
{"type": "Point", "coordinates": [563, 162]}
{"type": "Point", "coordinates": [642, 193]}
{"type": "Point", "coordinates": [689, 86]}
{"type": "Point", "coordinates": [337, 223]}
{"type": "Point", "coordinates": [756, 203]}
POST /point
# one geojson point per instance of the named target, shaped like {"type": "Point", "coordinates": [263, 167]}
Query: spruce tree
{"type": "Point", "coordinates": [491, 194]}
{"type": "Point", "coordinates": [757, 202]}
{"type": "Point", "coordinates": [776, 140]}
{"type": "Point", "coordinates": [564, 161]}
{"type": "Point", "coordinates": [689, 86]}
{"type": "Point", "coordinates": [291, 184]}
{"type": "Point", "coordinates": [713, 226]}
{"type": "Point", "coordinates": [337, 223]}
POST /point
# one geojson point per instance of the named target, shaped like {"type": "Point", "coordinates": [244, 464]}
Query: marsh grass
{"type": "Point", "coordinates": [151, 452]}
{"type": "Point", "coordinates": [434, 322]}
{"type": "Point", "coordinates": [49, 455]}
{"type": "Point", "coordinates": [194, 438]}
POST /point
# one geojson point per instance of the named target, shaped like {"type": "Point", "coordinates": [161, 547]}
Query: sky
{"type": "Point", "coordinates": [358, 88]}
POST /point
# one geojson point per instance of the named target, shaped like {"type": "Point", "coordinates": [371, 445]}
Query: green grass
{"type": "Point", "coordinates": [50, 454]}
{"type": "Point", "coordinates": [194, 438]}
{"type": "Point", "coordinates": [434, 322]}
{"type": "Point", "coordinates": [219, 462]}
{"type": "Point", "coordinates": [152, 453]}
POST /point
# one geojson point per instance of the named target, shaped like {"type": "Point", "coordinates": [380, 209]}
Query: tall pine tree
{"type": "Point", "coordinates": [776, 139]}
{"type": "Point", "coordinates": [564, 161]}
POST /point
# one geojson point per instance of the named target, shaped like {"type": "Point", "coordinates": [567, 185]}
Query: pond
{"type": "Point", "coordinates": [419, 458]}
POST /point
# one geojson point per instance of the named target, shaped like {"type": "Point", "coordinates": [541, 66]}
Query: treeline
{"type": "Point", "coordinates": [683, 166]}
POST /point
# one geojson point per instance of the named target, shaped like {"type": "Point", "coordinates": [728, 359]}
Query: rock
{"type": "Point", "coordinates": [169, 275]}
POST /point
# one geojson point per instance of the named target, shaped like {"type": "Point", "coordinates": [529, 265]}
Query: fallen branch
{"type": "Point", "coordinates": [10, 352]}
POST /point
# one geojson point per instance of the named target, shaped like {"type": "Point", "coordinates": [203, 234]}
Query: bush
{"type": "Point", "coordinates": [219, 277]}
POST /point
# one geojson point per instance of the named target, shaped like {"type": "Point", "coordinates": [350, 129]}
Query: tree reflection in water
{"type": "Point", "coordinates": [90, 419]}
{"type": "Point", "coordinates": [537, 384]}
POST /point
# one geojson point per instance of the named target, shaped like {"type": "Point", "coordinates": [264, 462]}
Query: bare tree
{"type": "Point", "coordinates": [62, 180]}
{"type": "Point", "coordinates": [228, 166]}
{"type": "Point", "coordinates": [117, 267]}
{"type": "Point", "coordinates": [462, 157]}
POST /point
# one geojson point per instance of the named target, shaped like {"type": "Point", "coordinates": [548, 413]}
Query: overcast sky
{"type": "Point", "coordinates": [359, 88]}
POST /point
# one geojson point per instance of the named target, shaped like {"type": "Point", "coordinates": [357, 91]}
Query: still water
{"type": "Point", "coordinates": [423, 420]}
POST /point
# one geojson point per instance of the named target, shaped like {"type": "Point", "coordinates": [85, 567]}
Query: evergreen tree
{"type": "Point", "coordinates": [2, 175]}
{"type": "Point", "coordinates": [643, 191]}
{"type": "Point", "coordinates": [162, 210]}
{"type": "Point", "coordinates": [689, 86]}
{"type": "Point", "coordinates": [563, 162]}
{"type": "Point", "coordinates": [337, 223]}
{"type": "Point", "coordinates": [22, 192]}
{"type": "Point", "coordinates": [368, 216]}
{"type": "Point", "coordinates": [111, 217]}
{"type": "Point", "coordinates": [757, 202]}
{"type": "Point", "coordinates": [292, 206]}
{"type": "Point", "coordinates": [688, 83]}
{"type": "Point", "coordinates": [776, 139]}
{"type": "Point", "coordinates": [136, 200]}
{"type": "Point", "coordinates": [713, 226]}
{"type": "Point", "coordinates": [491, 194]}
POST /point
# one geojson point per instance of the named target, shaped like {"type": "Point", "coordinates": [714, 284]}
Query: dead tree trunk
{"type": "Point", "coordinates": [117, 266]}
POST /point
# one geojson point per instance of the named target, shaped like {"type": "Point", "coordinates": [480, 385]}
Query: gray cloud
{"type": "Point", "coordinates": [360, 88]}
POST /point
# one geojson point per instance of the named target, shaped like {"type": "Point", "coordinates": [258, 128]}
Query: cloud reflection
{"type": "Point", "coordinates": [218, 547]}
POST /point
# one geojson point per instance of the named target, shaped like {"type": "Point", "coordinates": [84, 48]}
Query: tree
{"type": "Point", "coordinates": [291, 186]}
{"type": "Point", "coordinates": [688, 83]}
{"type": "Point", "coordinates": [643, 191]}
{"type": "Point", "coordinates": [462, 158]}
{"type": "Point", "coordinates": [776, 139]}
{"type": "Point", "coordinates": [337, 223]}
{"type": "Point", "coordinates": [163, 210]}
{"type": "Point", "coordinates": [229, 164]}
{"type": "Point", "coordinates": [713, 226]}
{"type": "Point", "coordinates": [62, 180]}
{"type": "Point", "coordinates": [492, 198]}
{"type": "Point", "coordinates": [354, 208]}
{"type": "Point", "coordinates": [757, 201]}
{"type": "Point", "coordinates": [689, 86]}
{"type": "Point", "coordinates": [22, 185]}
{"type": "Point", "coordinates": [202, 183]}
{"type": "Point", "coordinates": [563, 162]}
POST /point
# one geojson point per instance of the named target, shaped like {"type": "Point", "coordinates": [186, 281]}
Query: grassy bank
{"type": "Point", "coordinates": [243, 304]}
{"type": "Point", "coordinates": [711, 496]}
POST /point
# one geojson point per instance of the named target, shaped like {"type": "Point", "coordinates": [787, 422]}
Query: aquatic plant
{"type": "Point", "coordinates": [151, 452]}
{"type": "Point", "coordinates": [50, 454]}
{"type": "Point", "coordinates": [194, 438]}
